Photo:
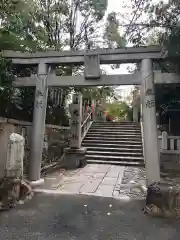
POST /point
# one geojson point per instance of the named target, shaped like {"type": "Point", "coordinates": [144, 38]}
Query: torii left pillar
{"type": "Point", "coordinates": [38, 126]}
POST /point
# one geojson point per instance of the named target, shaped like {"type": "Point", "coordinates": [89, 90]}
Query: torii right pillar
{"type": "Point", "coordinates": [151, 148]}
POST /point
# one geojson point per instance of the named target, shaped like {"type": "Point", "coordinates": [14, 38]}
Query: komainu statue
{"type": "Point", "coordinates": [163, 200]}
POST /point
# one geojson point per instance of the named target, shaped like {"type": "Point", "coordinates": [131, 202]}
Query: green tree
{"type": "Point", "coordinates": [112, 36]}
{"type": "Point", "coordinates": [96, 93]}
{"type": "Point", "coordinates": [162, 27]}
{"type": "Point", "coordinates": [6, 80]}
{"type": "Point", "coordinates": [119, 110]}
{"type": "Point", "coordinates": [49, 24]}
{"type": "Point", "coordinates": [17, 24]}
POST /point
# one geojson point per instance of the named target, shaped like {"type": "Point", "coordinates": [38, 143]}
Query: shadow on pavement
{"type": "Point", "coordinates": [84, 218]}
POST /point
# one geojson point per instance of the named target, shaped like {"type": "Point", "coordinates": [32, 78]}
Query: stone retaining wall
{"type": "Point", "coordinates": [56, 139]}
{"type": "Point", "coordinates": [170, 162]}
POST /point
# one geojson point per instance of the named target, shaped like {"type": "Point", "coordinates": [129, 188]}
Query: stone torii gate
{"type": "Point", "coordinates": [92, 77]}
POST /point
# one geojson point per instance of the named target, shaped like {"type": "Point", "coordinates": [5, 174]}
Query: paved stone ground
{"type": "Point", "coordinates": [99, 180]}
{"type": "Point", "coordinates": [69, 217]}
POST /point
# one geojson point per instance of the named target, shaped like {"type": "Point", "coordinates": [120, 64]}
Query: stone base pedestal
{"type": "Point", "coordinates": [74, 158]}
{"type": "Point", "coordinates": [163, 200]}
{"type": "Point", "coordinates": [37, 183]}
{"type": "Point", "coordinates": [14, 192]}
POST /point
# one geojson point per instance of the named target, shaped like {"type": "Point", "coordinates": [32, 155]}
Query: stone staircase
{"type": "Point", "coordinates": [116, 143]}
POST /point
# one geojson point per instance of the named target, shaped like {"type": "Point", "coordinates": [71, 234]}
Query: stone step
{"type": "Point", "coordinates": [114, 129]}
{"type": "Point", "coordinates": [113, 135]}
{"type": "Point", "coordinates": [119, 163]}
{"type": "Point", "coordinates": [117, 158]}
{"type": "Point", "coordinates": [112, 141]}
{"type": "Point", "coordinates": [106, 138]}
{"type": "Point", "coordinates": [115, 126]}
{"type": "Point", "coordinates": [128, 131]}
{"type": "Point", "coordinates": [116, 123]}
{"type": "Point", "coordinates": [111, 145]}
{"type": "Point", "coordinates": [104, 131]}
{"type": "Point", "coordinates": [111, 138]}
{"type": "Point", "coordinates": [115, 149]}
{"type": "Point", "coordinates": [113, 154]}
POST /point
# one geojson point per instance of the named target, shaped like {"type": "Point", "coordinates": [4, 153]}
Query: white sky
{"type": "Point", "coordinates": [118, 6]}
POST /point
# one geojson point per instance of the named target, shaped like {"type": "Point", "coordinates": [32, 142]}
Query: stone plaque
{"type": "Point", "coordinates": [92, 66]}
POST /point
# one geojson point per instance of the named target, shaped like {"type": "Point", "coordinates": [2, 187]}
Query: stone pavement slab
{"type": "Point", "coordinates": [71, 187]}
{"type": "Point", "coordinates": [75, 178]}
{"type": "Point", "coordinates": [109, 181]}
{"type": "Point", "coordinates": [80, 174]}
{"type": "Point", "coordinates": [90, 186]}
{"type": "Point", "coordinates": [115, 171]}
{"type": "Point", "coordinates": [80, 217]}
{"type": "Point", "coordinates": [89, 168]}
{"type": "Point", "coordinates": [105, 191]}
{"type": "Point", "coordinates": [103, 168]}
{"type": "Point", "coordinates": [88, 180]}
{"type": "Point", "coordinates": [97, 175]}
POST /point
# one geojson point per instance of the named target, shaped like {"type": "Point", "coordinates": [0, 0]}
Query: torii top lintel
{"type": "Point", "coordinates": [106, 56]}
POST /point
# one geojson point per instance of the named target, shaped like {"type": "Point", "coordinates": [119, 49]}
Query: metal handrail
{"type": "Point", "coordinates": [85, 126]}
{"type": "Point", "coordinates": [89, 116]}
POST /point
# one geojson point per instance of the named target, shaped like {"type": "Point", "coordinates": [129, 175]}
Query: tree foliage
{"type": "Point", "coordinates": [161, 27]}
{"type": "Point", "coordinates": [6, 80]}
{"type": "Point", "coordinates": [32, 25]}
{"type": "Point", "coordinates": [112, 36]}
{"type": "Point", "coordinates": [119, 110]}
{"type": "Point", "coordinates": [96, 93]}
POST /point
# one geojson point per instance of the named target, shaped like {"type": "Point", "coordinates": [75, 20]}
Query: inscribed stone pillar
{"type": "Point", "coordinates": [151, 149]}
{"type": "Point", "coordinates": [76, 121]}
{"type": "Point", "coordinates": [38, 126]}
{"type": "Point", "coordinates": [5, 131]}
{"type": "Point", "coordinates": [15, 156]}
{"type": "Point", "coordinates": [75, 155]}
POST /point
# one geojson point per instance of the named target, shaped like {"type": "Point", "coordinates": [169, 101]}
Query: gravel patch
{"type": "Point", "coordinates": [172, 180]}
{"type": "Point", "coordinates": [134, 183]}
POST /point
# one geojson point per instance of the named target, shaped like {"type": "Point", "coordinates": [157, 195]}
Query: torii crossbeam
{"type": "Point", "coordinates": [107, 56]}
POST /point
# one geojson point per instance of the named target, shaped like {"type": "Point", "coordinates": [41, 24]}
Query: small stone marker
{"type": "Point", "coordinates": [13, 189]}
{"type": "Point", "coordinates": [15, 155]}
